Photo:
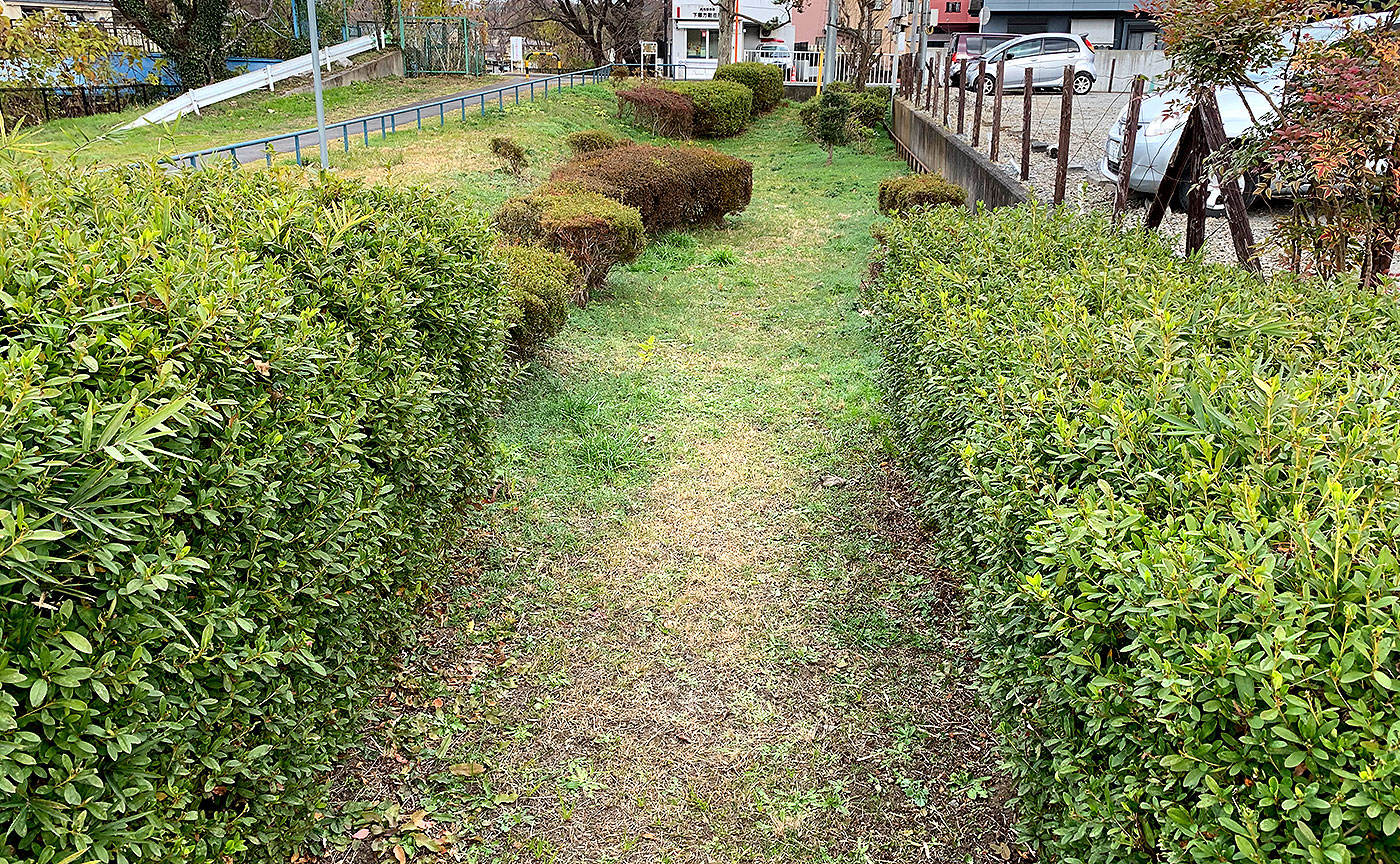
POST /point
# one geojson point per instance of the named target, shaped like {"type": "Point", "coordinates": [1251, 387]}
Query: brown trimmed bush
{"type": "Point", "coordinates": [764, 79]}
{"type": "Point", "coordinates": [721, 108]}
{"type": "Point", "coordinates": [511, 154]}
{"type": "Point", "coordinates": [898, 194]}
{"type": "Point", "coordinates": [594, 231]}
{"type": "Point", "coordinates": [672, 187]}
{"type": "Point", "coordinates": [661, 112]}
{"type": "Point", "coordinates": [538, 286]}
{"type": "Point", "coordinates": [589, 140]}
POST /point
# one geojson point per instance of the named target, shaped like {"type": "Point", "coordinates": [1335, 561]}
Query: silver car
{"type": "Point", "coordinates": [1047, 54]}
{"type": "Point", "coordinates": [1163, 115]}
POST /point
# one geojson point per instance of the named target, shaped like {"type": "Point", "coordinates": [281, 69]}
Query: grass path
{"type": "Point", "coordinates": [702, 628]}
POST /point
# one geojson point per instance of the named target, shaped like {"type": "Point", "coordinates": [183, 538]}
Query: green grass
{"type": "Point", "coordinates": [252, 115]}
{"type": "Point", "coordinates": [695, 623]}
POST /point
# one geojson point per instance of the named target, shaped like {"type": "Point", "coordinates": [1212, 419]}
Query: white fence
{"type": "Point", "coordinates": [804, 65]}
{"type": "Point", "coordinates": [193, 100]}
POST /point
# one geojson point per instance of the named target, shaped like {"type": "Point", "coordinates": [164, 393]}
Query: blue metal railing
{"type": "Point", "coordinates": [388, 120]}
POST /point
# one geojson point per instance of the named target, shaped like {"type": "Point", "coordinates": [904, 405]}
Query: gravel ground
{"type": "Point", "coordinates": [1086, 188]}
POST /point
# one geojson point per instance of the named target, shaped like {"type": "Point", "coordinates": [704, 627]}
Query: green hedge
{"type": "Point", "coordinates": [897, 194]}
{"type": "Point", "coordinates": [722, 108]}
{"type": "Point", "coordinates": [764, 79]}
{"type": "Point", "coordinates": [671, 187]}
{"type": "Point", "coordinates": [869, 107]}
{"type": "Point", "coordinates": [588, 140]}
{"type": "Point", "coordinates": [239, 414]}
{"type": "Point", "coordinates": [539, 285]}
{"type": "Point", "coordinates": [1173, 489]}
{"type": "Point", "coordinates": [593, 230]}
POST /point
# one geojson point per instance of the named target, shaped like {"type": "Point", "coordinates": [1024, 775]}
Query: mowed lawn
{"type": "Point", "coordinates": [694, 624]}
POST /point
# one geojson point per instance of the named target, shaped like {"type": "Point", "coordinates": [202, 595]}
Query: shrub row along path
{"type": "Point", "coordinates": [704, 629]}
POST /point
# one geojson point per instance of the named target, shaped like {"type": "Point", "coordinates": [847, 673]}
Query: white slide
{"type": "Point", "coordinates": [211, 94]}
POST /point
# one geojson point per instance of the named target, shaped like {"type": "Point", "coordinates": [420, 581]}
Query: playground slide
{"type": "Point", "coordinates": [193, 100]}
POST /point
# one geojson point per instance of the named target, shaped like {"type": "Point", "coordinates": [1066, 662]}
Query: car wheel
{"type": "Point", "coordinates": [1215, 195]}
{"type": "Point", "coordinates": [989, 85]}
{"type": "Point", "coordinates": [1083, 83]}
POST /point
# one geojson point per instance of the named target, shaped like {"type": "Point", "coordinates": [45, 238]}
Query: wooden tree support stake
{"type": "Point", "coordinates": [1213, 130]}
{"type": "Point", "coordinates": [947, 83]}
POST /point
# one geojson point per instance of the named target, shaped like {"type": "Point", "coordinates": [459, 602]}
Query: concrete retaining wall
{"type": "Point", "coordinates": [927, 146]}
{"type": "Point", "coordinates": [386, 65]}
{"type": "Point", "coordinates": [1130, 63]}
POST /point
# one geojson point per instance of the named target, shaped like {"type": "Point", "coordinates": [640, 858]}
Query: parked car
{"type": "Point", "coordinates": [970, 46]}
{"type": "Point", "coordinates": [775, 54]}
{"type": "Point", "coordinates": [1162, 116]}
{"type": "Point", "coordinates": [1046, 53]}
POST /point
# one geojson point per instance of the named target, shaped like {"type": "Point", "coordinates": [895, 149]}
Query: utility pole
{"type": "Point", "coordinates": [921, 33]}
{"type": "Point", "coordinates": [316, 84]}
{"type": "Point", "coordinates": [828, 73]}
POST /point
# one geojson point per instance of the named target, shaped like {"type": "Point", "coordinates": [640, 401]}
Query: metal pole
{"type": "Point", "coordinates": [316, 84]}
{"type": "Point", "coordinates": [829, 61]}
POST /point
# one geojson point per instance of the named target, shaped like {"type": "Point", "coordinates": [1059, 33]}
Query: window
{"type": "Point", "coordinates": [1060, 46]}
{"type": "Point", "coordinates": [952, 7]}
{"type": "Point", "coordinates": [701, 44]}
{"type": "Point", "coordinates": [1026, 24]}
{"type": "Point", "coordinates": [1022, 50]}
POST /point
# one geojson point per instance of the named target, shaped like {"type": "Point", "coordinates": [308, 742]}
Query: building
{"type": "Point", "coordinates": [77, 10]}
{"type": "Point", "coordinates": [695, 33]}
{"type": "Point", "coordinates": [1106, 23]}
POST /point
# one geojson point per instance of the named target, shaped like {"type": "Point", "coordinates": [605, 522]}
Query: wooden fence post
{"type": "Point", "coordinates": [962, 98]}
{"type": "Point", "coordinates": [996, 109]}
{"type": "Point", "coordinates": [947, 83]}
{"type": "Point", "coordinates": [928, 87]}
{"type": "Point", "coordinates": [1125, 155]}
{"type": "Point", "coordinates": [1026, 126]}
{"type": "Point", "coordinates": [1066, 115]}
{"type": "Point", "coordinates": [977, 111]}
{"type": "Point", "coordinates": [1112, 71]}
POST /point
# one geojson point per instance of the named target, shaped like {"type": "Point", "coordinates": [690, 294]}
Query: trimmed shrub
{"type": "Point", "coordinates": [918, 190]}
{"type": "Point", "coordinates": [764, 79]}
{"type": "Point", "coordinates": [594, 231]}
{"type": "Point", "coordinates": [511, 154]}
{"type": "Point", "coordinates": [868, 107]}
{"type": "Point", "coordinates": [722, 108]}
{"type": "Point", "coordinates": [538, 287]}
{"type": "Point", "coordinates": [672, 187]}
{"type": "Point", "coordinates": [1173, 488]}
{"type": "Point", "coordinates": [662, 112]}
{"type": "Point", "coordinates": [241, 415]}
{"type": "Point", "coordinates": [588, 140]}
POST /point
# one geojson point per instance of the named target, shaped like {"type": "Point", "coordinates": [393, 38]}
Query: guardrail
{"type": "Point", "coordinates": [193, 100]}
{"type": "Point", "coordinates": [388, 120]}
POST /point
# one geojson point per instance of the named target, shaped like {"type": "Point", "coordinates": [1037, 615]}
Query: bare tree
{"type": "Point", "coordinates": [595, 23]}
{"type": "Point", "coordinates": [729, 14]}
{"type": "Point", "coordinates": [859, 28]}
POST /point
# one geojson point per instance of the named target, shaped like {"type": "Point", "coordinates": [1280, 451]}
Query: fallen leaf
{"type": "Point", "coordinates": [831, 481]}
{"type": "Point", "coordinates": [399, 854]}
{"type": "Point", "coordinates": [362, 834]}
{"type": "Point", "coordinates": [468, 769]}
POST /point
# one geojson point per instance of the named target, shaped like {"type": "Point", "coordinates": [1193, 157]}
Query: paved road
{"type": "Point", "coordinates": [406, 117]}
